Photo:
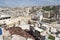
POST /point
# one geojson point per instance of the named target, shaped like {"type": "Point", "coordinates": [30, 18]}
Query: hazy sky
{"type": "Point", "coordinates": [14, 3]}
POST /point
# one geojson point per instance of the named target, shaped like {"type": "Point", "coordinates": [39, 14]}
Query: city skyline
{"type": "Point", "coordinates": [17, 3]}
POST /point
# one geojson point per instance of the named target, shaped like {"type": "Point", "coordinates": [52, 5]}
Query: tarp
{"type": "Point", "coordinates": [0, 31]}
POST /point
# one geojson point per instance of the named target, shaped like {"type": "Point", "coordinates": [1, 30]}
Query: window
{"type": "Point", "coordinates": [5, 18]}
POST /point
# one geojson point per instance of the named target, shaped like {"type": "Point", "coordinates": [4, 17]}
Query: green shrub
{"type": "Point", "coordinates": [51, 37]}
{"type": "Point", "coordinates": [48, 8]}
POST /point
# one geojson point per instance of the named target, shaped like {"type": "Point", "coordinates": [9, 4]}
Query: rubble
{"type": "Point", "coordinates": [19, 31]}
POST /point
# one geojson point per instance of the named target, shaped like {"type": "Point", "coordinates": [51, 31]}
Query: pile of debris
{"type": "Point", "coordinates": [19, 31]}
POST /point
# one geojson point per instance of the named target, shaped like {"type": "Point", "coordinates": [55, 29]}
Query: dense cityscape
{"type": "Point", "coordinates": [30, 23]}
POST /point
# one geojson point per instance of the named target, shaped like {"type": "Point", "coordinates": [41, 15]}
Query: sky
{"type": "Point", "coordinates": [17, 3]}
